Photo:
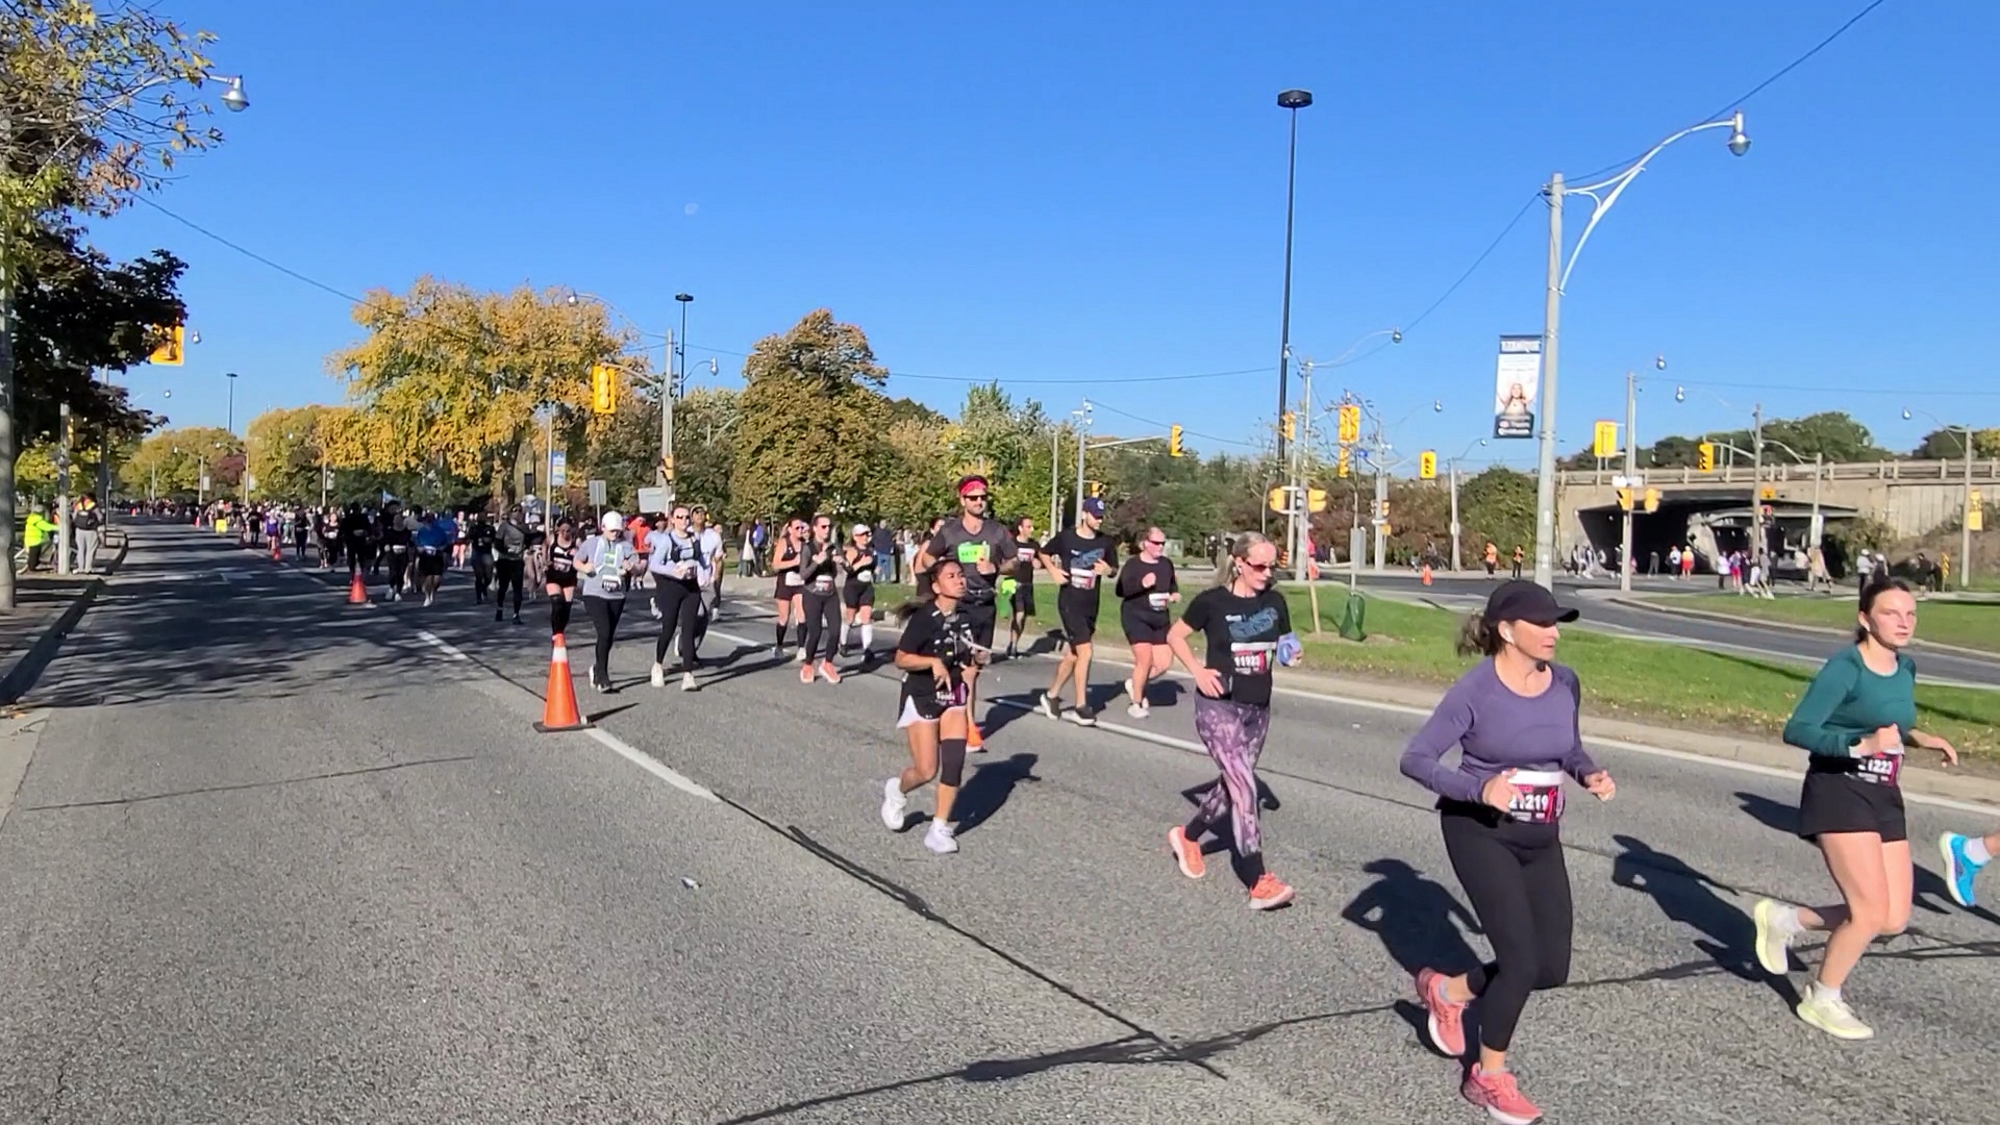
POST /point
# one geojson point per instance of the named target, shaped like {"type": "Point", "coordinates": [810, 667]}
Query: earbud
{"type": "Point", "coordinates": [1507, 637]}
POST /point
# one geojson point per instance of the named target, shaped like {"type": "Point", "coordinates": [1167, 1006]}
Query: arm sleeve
{"type": "Point", "coordinates": [1578, 761]}
{"type": "Point", "coordinates": [1807, 729]}
{"type": "Point", "coordinates": [1423, 758]}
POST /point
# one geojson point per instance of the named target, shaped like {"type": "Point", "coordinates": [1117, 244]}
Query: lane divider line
{"type": "Point", "coordinates": [652, 765]}
{"type": "Point", "coordinates": [437, 642]}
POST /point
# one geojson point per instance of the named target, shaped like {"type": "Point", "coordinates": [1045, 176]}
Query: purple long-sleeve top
{"type": "Point", "coordinates": [1495, 730]}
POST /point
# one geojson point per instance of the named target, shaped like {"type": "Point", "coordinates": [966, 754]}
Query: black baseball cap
{"type": "Point", "coordinates": [1522, 600]}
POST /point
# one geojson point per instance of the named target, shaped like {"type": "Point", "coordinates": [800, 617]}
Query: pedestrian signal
{"type": "Point", "coordinates": [1604, 440]}
{"type": "Point", "coordinates": [1173, 441]}
{"type": "Point", "coordinates": [1350, 423]}
{"type": "Point", "coordinates": [1767, 492]}
{"type": "Point", "coordinates": [1276, 499]}
{"type": "Point", "coordinates": [603, 388]}
{"type": "Point", "coordinates": [1427, 465]}
{"type": "Point", "coordinates": [1705, 457]}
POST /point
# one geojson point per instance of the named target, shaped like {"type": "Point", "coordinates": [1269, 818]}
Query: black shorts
{"type": "Point", "coordinates": [1024, 599]}
{"type": "Point", "coordinates": [560, 579]}
{"type": "Point", "coordinates": [854, 595]}
{"type": "Point", "coordinates": [920, 701]}
{"type": "Point", "coordinates": [1078, 615]}
{"type": "Point", "coordinates": [1841, 802]}
{"type": "Point", "coordinates": [1143, 624]}
{"type": "Point", "coordinates": [430, 566]}
{"type": "Point", "coordinates": [981, 617]}
{"type": "Point", "coordinates": [786, 592]}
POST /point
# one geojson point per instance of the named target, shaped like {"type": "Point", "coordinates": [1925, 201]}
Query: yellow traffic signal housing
{"type": "Point", "coordinates": [1350, 424]}
{"type": "Point", "coordinates": [172, 350]}
{"type": "Point", "coordinates": [1705, 457]}
{"type": "Point", "coordinates": [1625, 499]}
{"type": "Point", "coordinates": [1094, 487]}
{"type": "Point", "coordinates": [1767, 492]}
{"type": "Point", "coordinates": [1276, 500]}
{"type": "Point", "coordinates": [1427, 465]}
{"type": "Point", "coordinates": [1604, 440]}
{"type": "Point", "coordinates": [1652, 500]}
{"type": "Point", "coordinates": [1315, 499]}
{"type": "Point", "coordinates": [1341, 464]}
{"type": "Point", "coordinates": [603, 388]}
{"type": "Point", "coordinates": [1288, 425]}
{"type": "Point", "coordinates": [1174, 441]}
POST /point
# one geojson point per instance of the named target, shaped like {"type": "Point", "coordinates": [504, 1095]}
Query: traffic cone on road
{"type": "Point", "coordinates": [357, 591]}
{"type": "Point", "coordinates": [1427, 574]}
{"type": "Point", "coordinates": [275, 556]}
{"type": "Point", "coordinates": [559, 711]}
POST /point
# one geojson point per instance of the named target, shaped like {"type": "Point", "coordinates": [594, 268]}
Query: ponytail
{"type": "Point", "coordinates": [1479, 636]}
{"type": "Point", "coordinates": [1239, 549]}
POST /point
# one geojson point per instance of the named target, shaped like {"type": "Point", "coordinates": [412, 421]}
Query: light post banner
{"type": "Point", "coordinates": [1517, 381]}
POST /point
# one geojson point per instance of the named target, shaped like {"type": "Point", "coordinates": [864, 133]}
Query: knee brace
{"type": "Point", "coordinates": [951, 761]}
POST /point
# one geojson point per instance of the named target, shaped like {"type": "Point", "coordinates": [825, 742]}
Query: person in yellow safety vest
{"type": "Point", "coordinates": [35, 536]}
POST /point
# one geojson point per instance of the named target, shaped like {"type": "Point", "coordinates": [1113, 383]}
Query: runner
{"type": "Point", "coordinates": [1022, 602]}
{"type": "Point", "coordinates": [979, 544]}
{"type": "Point", "coordinates": [1076, 558]}
{"type": "Point", "coordinates": [434, 538]}
{"type": "Point", "coordinates": [606, 564]}
{"type": "Point", "coordinates": [1246, 624]}
{"type": "Point", "coordinates": [1855, 719]}
{"type": "Point", "coordinates": [785, 557]}
{"type": "Point", "coordinates": [935, 652]}
{"type": "Point", "coordinates": [821, 602]}
{"type": "Point", "coordinates": [674, 558]}
{"type": "Point", "coordinates": [510, 565]}
{"type": "Point", "coordinates": [479, 540]}
{"type": "Point", "coordinates": [1146, 587]}
{"type": "Point", "coordinates": [857, 593]}
{"type": "Point", "coordinates": [459, 539]}
{"type": "Point", "coordinates": [559, 575]}
{"type": "Point", "coordinates": [1963, 857]}
{"type": "Point", "coordinates": [710, 537]}
{"type": "Point", "coordinates": [1513, 721]}
{"type": "Point", "coordinates": [396, 543]}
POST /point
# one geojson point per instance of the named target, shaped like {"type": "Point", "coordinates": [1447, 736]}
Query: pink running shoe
{"type": "Point", "coordinates": [1502, 1099]}
{"type": "Point", "coordinates": [1447, 1025]}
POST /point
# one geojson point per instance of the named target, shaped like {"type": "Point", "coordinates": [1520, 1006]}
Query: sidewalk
{"type": "Point", "coordinates": [47, 607]}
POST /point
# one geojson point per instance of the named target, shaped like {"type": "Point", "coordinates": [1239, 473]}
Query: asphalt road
{"type": "Point", "coordinates": [1749, 638]}
{"type": "Point", "coordinates": [278, 859]}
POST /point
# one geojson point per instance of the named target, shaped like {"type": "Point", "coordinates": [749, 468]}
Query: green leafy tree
{"type": "Point", "coordinates": [807, 436]}
{"type": "Point", "coordinates": [1949, 445]}
{"type": "Point", "coordinates": [174, 459]}
{"type": "Point", "coordinates": [1833, 434]}
{"type": "Point", "coordinates": [1498, 504]}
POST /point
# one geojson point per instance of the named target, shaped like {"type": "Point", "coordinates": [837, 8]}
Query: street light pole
{"type": "Point", "coordinates": [1292, 101]}
{"type": "Point", "coordinates": [1631, 470]}
{"type": "Point", "coordinates": [1757, 486]}
{"type": "Point", "coordinates": [1965, 511]}
{"type": "Point", "coordinates": [1558, 280]}
{"type": "Point", "coordinates": [1082, 434]}
{"type": "Point", "coordinates": [1300, 509]}
{"type": "Point", "coordinates": [676, 348]}
{"type": "Point", "coordinates": [231, 376]}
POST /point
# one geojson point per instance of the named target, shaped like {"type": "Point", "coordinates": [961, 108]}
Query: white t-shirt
{"type": "Point", "coordinates": [711, 552]}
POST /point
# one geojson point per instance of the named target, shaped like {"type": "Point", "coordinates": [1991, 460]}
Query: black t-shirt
{"type": "Point", "coordinates": [481, 536]}
{"type": "Point", "coordinates": [562, 558]}
{"type": "Point", "coordinates": [948, 638]}
{"type": "Point", "coordinates": [1242, 639]}
{"type": "Point", "coordinates": [397, 539]}
{"type": "Point", "coordinates": [817, 565]}
{"type": "Point", "coordinates": [1024, 561]}
{"type": "Point", "coordinates": [990, 544]}
{"type": "Point", "coordinates": [1140, 601]}
{"type": "Point", "coordinates": [1079, 555]}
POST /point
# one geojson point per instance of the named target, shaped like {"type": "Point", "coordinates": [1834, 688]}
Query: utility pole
{"type": "Point", "coordinates": [1055, 479]}
{"type": "Point", "coordinates": [1452, 470]}
{"type": "Point", "coordinates": [1757, 486]}
{"type": "Point", "coordinates": [1545, 464]}
{"type": "Point", "coordinates": [1818, 524]}
{"type": "Point", "coordinates": [65, 532]}
{"type": "Point", "coordinates": [1631, 472]}
{"type": "Point", "coordinates": [1301, 512]}
{"type": "Point", "coordinates": [1082, 435]}
{"type": "Point", "coordinates": [1965, 518]}
{"type": "Point", "coordinates": [667, 466]}
{"type": "Point", "coordinates": [325, 479]}
{"type": "Point", "coordinates": [1381, 498]}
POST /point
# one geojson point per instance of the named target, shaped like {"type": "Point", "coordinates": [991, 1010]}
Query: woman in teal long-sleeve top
{"type": "Point", "coordinates": [1854, 720]}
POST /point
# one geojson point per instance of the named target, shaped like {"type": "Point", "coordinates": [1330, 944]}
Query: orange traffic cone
{"type": "Point", "coordinates": [275, 556]}
{"type": "Point", "coordinates": [559, 702]}
{"type": "Point", "coordinates": [1427, 574]}
{"type": "Point", "coordinates": [357, 591]}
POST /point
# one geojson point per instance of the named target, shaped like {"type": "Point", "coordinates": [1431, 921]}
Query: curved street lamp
{"type": "Point", "coordinates": [1603, 195]}
{"type": "Point", "coordinates": [1965, 514]}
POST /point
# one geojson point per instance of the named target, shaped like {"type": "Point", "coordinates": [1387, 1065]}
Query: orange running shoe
{"type": "Point", "coordinates": [805, 673]}
{"type": "Point", "coordinates": [975, 743]}
{"type": "Point", "coordinates": [1187, 853]}
{"type": "Point", "coordinates": [1269, 893]}
{"type": "Point", "coordinates": [828, 672]}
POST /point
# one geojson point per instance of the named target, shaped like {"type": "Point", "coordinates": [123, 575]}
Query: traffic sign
{"type": "Point", "coordinates": [559, 468]}
{"type": "Point", "coordinates": [1604, 440]}
{"type": "Point", "coordinates": [597, 492]}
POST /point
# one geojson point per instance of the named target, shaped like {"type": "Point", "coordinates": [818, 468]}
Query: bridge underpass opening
{"type": "Point", "coordinates": [1712, 525]}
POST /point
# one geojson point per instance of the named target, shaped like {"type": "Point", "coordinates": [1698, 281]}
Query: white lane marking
{"type": "Point", "coordinates": [1425, 712]}
{"type": "Point", "coordinates": [651, 764]}
{"type": "Point", "coordinates": [437, 642]}
{"type": "Point", "coordinates": [222, 576]}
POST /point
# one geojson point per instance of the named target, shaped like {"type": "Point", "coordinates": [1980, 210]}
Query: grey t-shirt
{"type": "Point", "coordinates": [1496, 730]}
{"type": "Point", "coordinates": [992, 544]}
{"type": "Point", "coordinates": [608, 559]}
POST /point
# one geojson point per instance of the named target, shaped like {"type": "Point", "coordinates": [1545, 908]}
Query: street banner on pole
{"type": "Point", "coordinates": [1517, 380]}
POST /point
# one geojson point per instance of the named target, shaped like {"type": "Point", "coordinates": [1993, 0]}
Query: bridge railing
{"type": "Point", "coordinates": [1911, 472]}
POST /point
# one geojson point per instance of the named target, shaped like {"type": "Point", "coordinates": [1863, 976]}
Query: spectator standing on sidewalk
{"type": "Point", "coordinates": [89, 534]}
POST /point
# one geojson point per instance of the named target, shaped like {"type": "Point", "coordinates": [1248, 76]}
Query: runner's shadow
{"type": "Point", "coordinates": [1419, 921]}
{"type": "Point", "coordinates": [1771, 814]}
{"type": "Point", "coordinates": [1690, 897]}
{"type": "Point", "coordinates": [991, 784]}
{"type": "Point", "coordinates": [999, 718]}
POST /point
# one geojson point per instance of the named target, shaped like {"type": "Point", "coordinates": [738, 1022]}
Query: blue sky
{"type": "Point", "coordinates": [1069, 197]}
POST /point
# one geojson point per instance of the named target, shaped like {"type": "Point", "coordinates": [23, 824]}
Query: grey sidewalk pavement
{"type": "Point", "coordinates": [47, 607]}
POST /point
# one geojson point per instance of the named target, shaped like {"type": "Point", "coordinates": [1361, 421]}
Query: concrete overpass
{"type": "Point", "coordinates": [1712, 510]}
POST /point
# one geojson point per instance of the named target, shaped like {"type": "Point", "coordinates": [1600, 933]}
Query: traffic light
{"type": "Point", "coordinates": [1276, 499]}
{"type": "Point", "coordinates": [1094, 487]}
{"type": "Point", "coordinates": [1625, 499]}
{"type": "Point", "coordinates": [1652, 500]}
{"type": "Point", "coordinates": [1173, 441]}
{"type": "Point", "coordinates": [1975, 511]}
{"type": "Point", "coordinates": [1427, 465]}
{"type": "Point", "coordinates": [1767, 492]}
{"type": "Point", "coordinates": [603, 388]}
{"type": "Point", "coordinates": [1705, 457]}
{"type": "Point", "coordinates": [1604, 440]}
{"type": "Point", "coordinates": [1315, 499]}
{"type": "Point", "coordinates": [1341, 464]}
{"type": "Point", "coordinates": [1384, 513]}
{"type": "Point", "coordinates": [1350, 423]}
{"type": "Point", "coordinates": [172, 350]}
{"type": "Point", "coordinates": [1288, 425]}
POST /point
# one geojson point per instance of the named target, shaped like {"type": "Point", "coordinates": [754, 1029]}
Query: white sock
{"type": "Point", "coordinates": [868, 635]}
{"type": "Point", "coordinates": [1826, 993]}
{"type": "Point", "coordinates": [1976, 851]}
{"type": "Point", "coordinates": [844, 627]}
{"type": "Point", "coordinates": [1785, 920]}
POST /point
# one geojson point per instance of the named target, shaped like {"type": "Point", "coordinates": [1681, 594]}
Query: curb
{"type": "Point", "coordinates": [29, 665]}
{"type": "Point", "coordinates": [1793, 626]}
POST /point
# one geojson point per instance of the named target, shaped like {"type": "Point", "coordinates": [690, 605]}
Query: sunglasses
{"type": "Point", "coordinates": [976, 497]}
{"type": "Point", "coordinates": [1156, 542]}
{"type": "Point", "coordinates": [1258, 567]}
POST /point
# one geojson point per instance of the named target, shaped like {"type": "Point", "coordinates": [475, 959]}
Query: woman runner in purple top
{"type": "Point", "coordinates": [1513, 719]}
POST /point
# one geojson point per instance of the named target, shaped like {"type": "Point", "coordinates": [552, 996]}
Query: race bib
{"type": "Point", "coordinates": [1252, 658]}
{"type": "Point", "coordinates": [972, 554]}
{"type": "Point", "coordinates": [1157, 601]}
{"type": "Point", "coordinates": [1083, 580]}
{"type": "Point", "coordinates": [823, 584]}
{"type": "Point", "coordinates": [792, 578]}
{"type": "Point", "coordinates": [428, 550]}
{"type": "Point", "coordinates": [399, 548]}
{"type": "Point", "coordinates": [611, 582]}
{"type": "Point", "coordinates": [1881, 770]}
{"type": "Point", "coordinates": [864, 576]}
{"type": "Point", "coordinates": [1026, 555]}
{"type": "Point", "coordinates": [955, 696]}
{"type": "Point", "coordinates": [1538, 797]}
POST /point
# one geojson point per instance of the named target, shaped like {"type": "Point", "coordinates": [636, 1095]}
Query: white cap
{"type": "Point", "coordinates": [860, 529]}
{"type": "Point", "coordinates": [611, 521]}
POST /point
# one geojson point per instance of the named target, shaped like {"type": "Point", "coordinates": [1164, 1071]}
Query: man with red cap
{"type": "Point", "coordinates": [978, 543]}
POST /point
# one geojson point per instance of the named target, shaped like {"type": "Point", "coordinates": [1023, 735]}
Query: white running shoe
{"type": "Point", "coordinates": [1774, 936]}
{"type": "Point", "coordinates": [659, 676]}
{"type": "Point", "coordinates": [894, 803]}
{"type": "Point", "coordinates": [687, 681]}
{"type": "Point", "coordinates": [1048, 706]}
{"type": "Point", "coordinates": [1139, 711]}
{"type": "Point", "coordinates": [1831, 1015]}
{"type": "Point", "coordinates": [941, 838]}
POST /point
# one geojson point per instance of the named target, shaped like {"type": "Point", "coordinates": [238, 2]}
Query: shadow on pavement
{"type": "Point", "coordinates": [1771, 814]}
{"type": "Point", "coordinates": [1688, 896]}
{"type": "Point", "coordinates": [991, 785]}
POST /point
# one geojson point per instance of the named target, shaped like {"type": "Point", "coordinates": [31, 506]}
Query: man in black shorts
{"type": "Point", "coordinates": [981, 546]}
{"type": "Point", "coordinates": [1077, 560]}
{"type": "Point", "coordinates": [1022, 570]}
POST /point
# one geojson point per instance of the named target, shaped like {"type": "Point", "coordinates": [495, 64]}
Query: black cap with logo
{"type": "Point", "coordinates": [1521, 600]}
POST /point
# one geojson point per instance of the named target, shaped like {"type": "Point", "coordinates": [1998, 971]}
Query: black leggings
{"type": "Point", "coordinates": [482, 574]}
{"type": "Point", "coordinates": [559, 607]}
{"type": "Point", "coordinates": [399, 565]}
{"type": "Point", "coordinates": [680, 611]}
{"type": "Point", "coordinates": [1519, 887]}
{"type": "Point", "coordinates": [509, 572]}
{"type": "Point", "coordinates": [822, 625]}
{"type": "Point", "coordinates": [604, 614]}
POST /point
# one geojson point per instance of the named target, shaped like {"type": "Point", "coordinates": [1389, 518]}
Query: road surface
{"type": "Point", "coordinates": [278, 859]}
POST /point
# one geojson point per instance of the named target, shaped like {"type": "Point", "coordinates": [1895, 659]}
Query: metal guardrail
{"type": "Point", "coordinates": [1911, 472]}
